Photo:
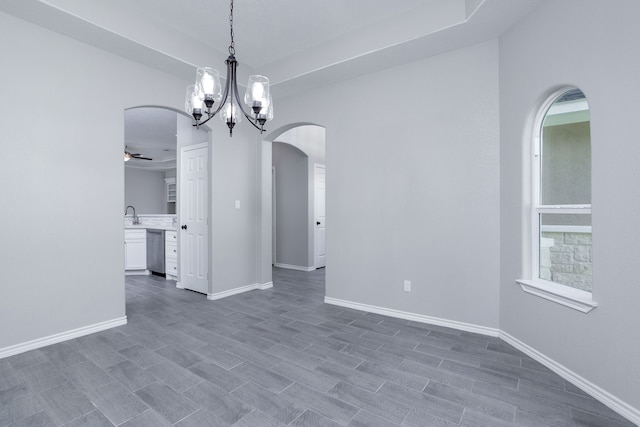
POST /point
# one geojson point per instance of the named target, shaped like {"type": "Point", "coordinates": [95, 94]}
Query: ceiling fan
{"type": "Point", "coordinates": [128, 156]}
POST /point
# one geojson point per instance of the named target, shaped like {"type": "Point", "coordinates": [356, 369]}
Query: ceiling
{"type": "Point", "coordinates": [151, 132]}
{"type": "Point", "coordinates": [298, 44]}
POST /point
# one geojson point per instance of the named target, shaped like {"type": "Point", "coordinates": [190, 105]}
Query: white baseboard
{"type": "Point", "coordinates": [616, 404]}
{"type": "Point", "coordinates": [137, 273]}
{"type": "Point", "coordinates": [468, 327]}
{"type": "Point", "coordinates": [263, 286]}
{"type": "Point", "coordinates": [179, 285]}
{"type": "Point", "coordinates": [241, 289]}
{"type": "Point", "coordinates": [294, 267]}
{"type": "Point", "coordinates": [63, 336]}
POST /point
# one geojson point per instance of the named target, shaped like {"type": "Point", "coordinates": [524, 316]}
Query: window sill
{"type": "Point", "coordinates": [564, 295]}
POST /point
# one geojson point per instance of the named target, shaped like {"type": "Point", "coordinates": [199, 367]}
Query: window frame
{"type": "Point", "coordinates": [562, 294]}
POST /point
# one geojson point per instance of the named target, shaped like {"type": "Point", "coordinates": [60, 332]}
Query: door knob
{"type": "Point", "coordinates": [184, 227]}
{"type": "Point", "coordinates": [317, 222]}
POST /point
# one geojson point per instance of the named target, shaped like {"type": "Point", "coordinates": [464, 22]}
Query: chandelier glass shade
{"type": "Point", "coordinates": [207, 97]}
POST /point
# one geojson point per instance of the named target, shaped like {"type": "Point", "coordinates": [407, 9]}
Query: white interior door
{"type": "Point", "coordinates": [273, 215]}
{"type": "Point", "coordinates": [194, 227]}
{"type": "Point", "coordinates": [320, 216]}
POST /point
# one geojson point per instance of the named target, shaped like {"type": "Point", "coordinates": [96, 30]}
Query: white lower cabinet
{"type": "Point", "coordinates": [171, 254]}
{"type": "Point", "coordinates": [135, 250]}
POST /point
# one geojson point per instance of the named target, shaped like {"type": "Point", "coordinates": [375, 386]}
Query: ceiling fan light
{"type": "Point", "coordinates": [127, 156]}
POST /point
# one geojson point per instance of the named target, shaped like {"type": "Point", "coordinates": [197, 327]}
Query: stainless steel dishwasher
{"type": "Point", "coordinates": [155, 251]}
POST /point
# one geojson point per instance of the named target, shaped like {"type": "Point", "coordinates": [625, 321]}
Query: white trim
{"type": "Point", "coordinates": [578, 209]}
{"type": "Point", "coordinates": [63, 336]}
{"type": "Point", "coordinates": [240, 290]}
{"type": "Point", "coordinates": [611, 401]}
{"type": "Point", "coordinates": [137, 273]}
{"type": "Point", "coordinates": [569, 297]}
{"type": "Point", "coordinates": [294, 267]}
{"type": "Point", "coordinates": [616, 404]}
{"type": "Point", "coordinates": [567, 106]}
{"type": "Point", "coordinates": [264, 286]}
{"type": "Point", "coordinates": [194, 146]}
{"type": "Point", "coordinates": [154, 215]}
{"type": "Point", "coordinates": [561, 294]}
{"type": "Point", "coordinates": [179, 285]}
{"type": "Point", "coordinates": [468, 327]}
{"type": "Point", "coordinates": [565, 229]}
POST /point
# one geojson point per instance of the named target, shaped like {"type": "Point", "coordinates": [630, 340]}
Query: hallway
{"type": "Point", "coordinates": [282, 357]}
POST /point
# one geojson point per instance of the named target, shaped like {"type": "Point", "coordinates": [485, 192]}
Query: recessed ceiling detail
{"type": "Point", "coordinates": [299, 44]}
{"type": "Point", "coordinates": [151, 132]}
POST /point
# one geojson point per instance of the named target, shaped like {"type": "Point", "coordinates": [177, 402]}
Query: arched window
{"type": "Point", "coordinates": [561, 202]}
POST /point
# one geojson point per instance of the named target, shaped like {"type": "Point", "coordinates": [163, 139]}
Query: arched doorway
{"type": "Point", "coordinates": [298, 214]}
{"type": "Point", "coordinates": [156, 140]}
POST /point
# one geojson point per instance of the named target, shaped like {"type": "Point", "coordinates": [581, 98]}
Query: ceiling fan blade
{"type": "Point", "coordinates": [136, 156]}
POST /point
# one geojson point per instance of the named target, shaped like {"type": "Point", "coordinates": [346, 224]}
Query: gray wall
{"type": "Point", "coordinates": [235, 231]}
{"type": "Point", "coordinates": [310, 139]}
{"type": "Point", "coordinates": [145, 190]}
{"type": "Point", "coordinates": [414, 197]}
{"type": "Point", "coordinates": [592, 45]}
{"type": "Point", "coordinates": [233, 169]}
{"type": "Point", "coordinates": [291, 205]}
{"type": "Point", "coordinates": [71, 209]}
{"type": "Point", "coordinates": [68, 187]}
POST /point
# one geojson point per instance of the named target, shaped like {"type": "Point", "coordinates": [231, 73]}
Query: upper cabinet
{"type": "Point", "coordinates": [171, 189]}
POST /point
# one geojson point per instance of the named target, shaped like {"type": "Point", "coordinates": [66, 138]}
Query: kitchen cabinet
{"type": "Point", "coordinates": [171, 255]}
{"type": "Point", "coordinates": [135, 250]}
{"type": "Point", "coordinates": [171, 189]}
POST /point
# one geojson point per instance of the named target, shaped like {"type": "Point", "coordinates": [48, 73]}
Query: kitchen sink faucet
{"type": "Point", "coordinates": [135, 217]}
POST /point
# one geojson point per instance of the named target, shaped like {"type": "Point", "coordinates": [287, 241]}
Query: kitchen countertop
{"type": "Point", "coordinates": [150, 227]}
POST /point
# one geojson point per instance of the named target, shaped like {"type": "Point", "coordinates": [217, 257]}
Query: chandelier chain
{"type": "Point", "coordinates": [205, 99]}
{"type": "Point", "coordinates": [232, 46]}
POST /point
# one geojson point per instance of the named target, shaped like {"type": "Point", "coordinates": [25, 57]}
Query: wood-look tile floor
{"type": "Point", "coordinates": [281, 357]}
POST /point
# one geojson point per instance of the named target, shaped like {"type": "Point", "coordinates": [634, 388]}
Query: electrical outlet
{"type": "Point", "coordinates": [407, 285]}
{"type": "Point", "coordinates": [237, 204]}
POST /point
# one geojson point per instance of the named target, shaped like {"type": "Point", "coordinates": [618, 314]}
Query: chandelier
{"type": "Point", "coordinates": [206, 96]}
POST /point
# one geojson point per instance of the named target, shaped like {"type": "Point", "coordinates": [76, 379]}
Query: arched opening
{"type": "Point", "coordinates": [157, 139]}
{"type": "Point", "coordinates": [297, 196]}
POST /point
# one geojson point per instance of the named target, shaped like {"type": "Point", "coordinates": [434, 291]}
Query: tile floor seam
{"type": "Point", "coordinates": [482, 376]}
